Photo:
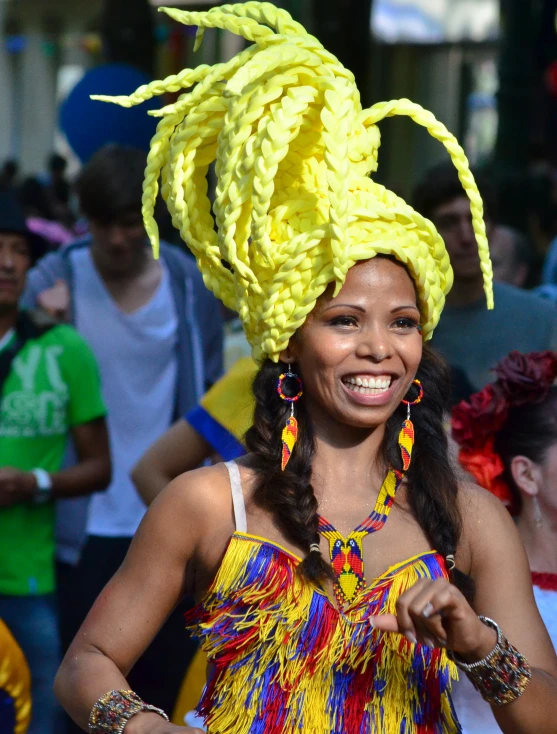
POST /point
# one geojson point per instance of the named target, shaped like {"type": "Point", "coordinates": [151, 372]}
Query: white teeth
{"type": "Point", "coordinates": [369, 382]}
{"type": "Point", "coordinates": [369, 386]}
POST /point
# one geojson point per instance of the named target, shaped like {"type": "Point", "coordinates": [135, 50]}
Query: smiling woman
{"type": "Point", "coordinates": [355, 623]}
{"type": "Point", "coordinates": [352, 353]}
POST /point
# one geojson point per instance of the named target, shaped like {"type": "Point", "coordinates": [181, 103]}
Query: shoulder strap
{"type": "Point", "coordinates": [237, 497]}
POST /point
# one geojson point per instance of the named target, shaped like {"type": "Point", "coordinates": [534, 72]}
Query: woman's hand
{"type": "Point", "coordinates": [151, 723]}
{"type": "Point", "coordinates": [436, 614]}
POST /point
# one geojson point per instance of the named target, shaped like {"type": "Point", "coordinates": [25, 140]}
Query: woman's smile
{"type": "Point", "coordinates": [367, 389]}
{"type": "Point", "coordinates": [358, 352]}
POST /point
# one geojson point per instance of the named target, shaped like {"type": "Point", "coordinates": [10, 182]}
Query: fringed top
{"type": "Point", "coordinates": [285, 660]}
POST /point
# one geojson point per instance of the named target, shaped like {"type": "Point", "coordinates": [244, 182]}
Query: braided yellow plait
{"type": "Point", "coordinates": [295, 207]}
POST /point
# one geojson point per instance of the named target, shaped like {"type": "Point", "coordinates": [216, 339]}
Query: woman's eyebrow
{"type": "Point", "coordinates": [344, 305]}
{"type": "Point", "coordinates": [405, 308]}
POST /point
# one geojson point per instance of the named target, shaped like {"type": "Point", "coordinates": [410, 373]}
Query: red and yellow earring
{"type": "Point", "coordinates": [290, 430]}
{"type": "Point", "coordinates": [406, 435]}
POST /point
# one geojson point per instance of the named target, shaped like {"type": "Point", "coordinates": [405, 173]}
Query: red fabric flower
{"type": "Point", "coordinates": [486, 467]}
{"type": "Point", "coordinates": [521, 378]}
{"type": "Point", "coordinates": [524, 378]}
{"type": "Point", "coordinates": [484, 415]}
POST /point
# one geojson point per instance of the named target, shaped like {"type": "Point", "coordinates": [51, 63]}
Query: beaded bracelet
{"type": "Point", "coordinates": [502, 676]}
{"type": "Point", "coordinates": [111, 712]}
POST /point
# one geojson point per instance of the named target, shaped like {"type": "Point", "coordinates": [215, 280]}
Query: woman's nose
{"type": "Point", "coordinates": [374, 344]}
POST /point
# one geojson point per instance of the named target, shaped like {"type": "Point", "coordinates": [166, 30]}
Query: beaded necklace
{"type": "Point", "coordinates": [346, 554]}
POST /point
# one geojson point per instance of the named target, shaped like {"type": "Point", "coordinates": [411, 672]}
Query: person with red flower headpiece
{"type": "Point", "coordinates": [507, 439]}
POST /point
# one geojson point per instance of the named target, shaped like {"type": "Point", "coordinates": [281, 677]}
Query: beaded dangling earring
{"type": "Point", "coordinates": [290, 430]}
{"type": "Point", "coordinates": [538, 517]}
{"type": "Point", "coordinates": [406, 435]}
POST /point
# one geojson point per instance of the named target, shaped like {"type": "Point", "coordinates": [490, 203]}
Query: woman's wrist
{"type": "Point", "coordinates": [502, 675]}
{"type": "Point", "coordinates": [116, 709]}
{"type": "Point", "coordinates": [485, 641]}
{"type": "Point", "coordinates": [144, 722]}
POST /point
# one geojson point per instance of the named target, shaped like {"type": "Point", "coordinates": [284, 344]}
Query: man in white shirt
{"type": "Point", "coordinates": [157, 335]}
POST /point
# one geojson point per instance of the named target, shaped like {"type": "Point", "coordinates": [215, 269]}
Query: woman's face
{"type": "Point", "coordinates": [358, 353]}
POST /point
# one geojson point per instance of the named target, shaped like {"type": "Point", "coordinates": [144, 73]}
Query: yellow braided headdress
{"type": "Point", "coordinates": [295, 207]}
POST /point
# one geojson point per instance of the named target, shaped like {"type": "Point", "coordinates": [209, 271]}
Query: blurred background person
{"type": "Point", "coordinates": [40, 214]}
{"type": "Point", "coordinates": [50, 390]}
{"type": "Point", "coordinates": [58, 188]}
{"type": "Point", "coordinates": [34, 200]}
{"type": "Point", "coordinates": [157, 335]}
{"type": "Point", "coordinates": [472, 338]}
{"type": "Point", "coordinates": [511, 256]}
{"type": "Point", "coordinates": [507, 438]}
{"type": "Point", "coordinates": [215, 427]}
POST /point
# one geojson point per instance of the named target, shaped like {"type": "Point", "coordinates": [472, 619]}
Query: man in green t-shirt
{"type": "Point", "coordinates": [49, 391]}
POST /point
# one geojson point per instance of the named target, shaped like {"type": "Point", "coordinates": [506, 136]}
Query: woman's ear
{"type": "Point", "coordinates": [526, 474]}
{"type": "Point", "coordinates": [287, 355]}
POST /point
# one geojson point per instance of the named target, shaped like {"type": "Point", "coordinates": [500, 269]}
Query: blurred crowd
{"type": "Point", "coordinates": [111, 365]}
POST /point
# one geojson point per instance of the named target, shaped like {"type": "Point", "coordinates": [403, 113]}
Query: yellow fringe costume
{"type": "Point", "coordinates": [295, 209]}
{"type": "Point", "coordinates": [15, 686]}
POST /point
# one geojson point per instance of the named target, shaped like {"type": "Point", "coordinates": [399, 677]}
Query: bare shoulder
{"type": "Point", "coordinates": [479, 508]}
{"type": "Point", "coordinates": [195, 506]}
{"type": "Point", "coordinates": [200, 494]}
{"type": "Point", "coordinates": [487, 526]}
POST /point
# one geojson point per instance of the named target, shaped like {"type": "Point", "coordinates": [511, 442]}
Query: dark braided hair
{"type": "Point", "coordinates": [288, 495]}
{"type": "Point", "coordinates": [529, 430]}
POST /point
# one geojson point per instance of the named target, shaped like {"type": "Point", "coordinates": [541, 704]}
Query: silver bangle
{"type": "Point", "coordinates": [502, 675]}
{"type": "Point", "coordinates": [470, 667]}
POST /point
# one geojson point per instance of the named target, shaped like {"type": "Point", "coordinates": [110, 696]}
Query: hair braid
{"type": "Point", "coordinates": [173, 83]}
{"type": "Point", "coordinates": [287, 495]}
{"type": "Point", "coordinates": [438, 131]}
{"type": "Point", "coordinates": [432, 482]}
{"type": "Point", "coordinates": [265, 13]}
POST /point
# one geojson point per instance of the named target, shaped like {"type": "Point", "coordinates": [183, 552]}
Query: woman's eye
{"type": "Point", "coordinates": [343, 321]}
{"type": "Point", "coordinates": [407, 324]}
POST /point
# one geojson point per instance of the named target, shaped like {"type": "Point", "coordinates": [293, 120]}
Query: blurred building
{"type": "Point", "coordinates": [441, 54]}
{"type": "Point", "coordinates": [45, 47]}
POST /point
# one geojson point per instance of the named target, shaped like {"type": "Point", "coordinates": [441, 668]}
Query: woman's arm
{"type": "Point", "coordinates": [436, 612]}
{"type": "Point", "coordinates": [136, 602]}
{"type": "Point", "coordinates": [504, 592]}
{"type": "Point", "coordinates": [179, 450]}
